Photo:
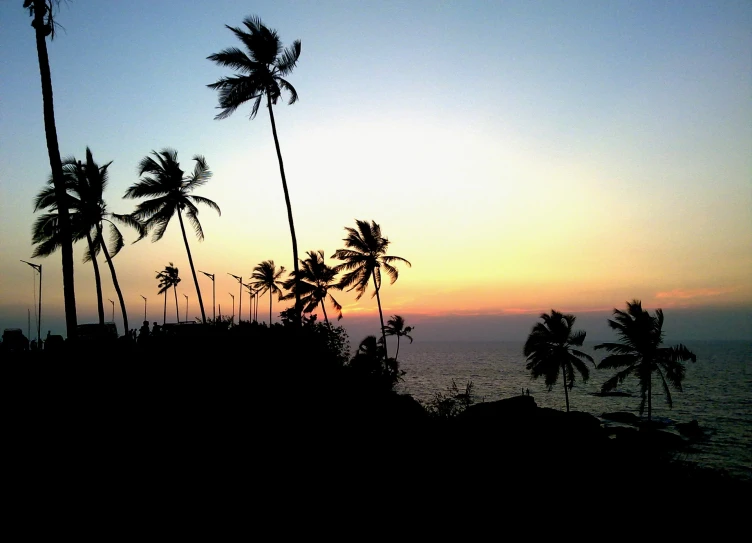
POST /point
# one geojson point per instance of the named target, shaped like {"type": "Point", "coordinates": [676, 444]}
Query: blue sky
{"type": "Point", "coordinates": [523, 156]}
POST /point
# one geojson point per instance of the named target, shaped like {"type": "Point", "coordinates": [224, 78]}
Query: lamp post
{"type": "Point", "coordinates": [144, 297]}
{"type": "Point", "coordinates": [233, 306]}
{"type": "Point", "coordinates": [186, 307]}
{"type": "Point", "coordinates": [240, 296]}
{"type": "Point", "coordinates": [250, 301]}
{"type": "Point", "coordinates": [38, 267]}
{"type": "Point", "coordinates": [113, 310]}
{"type": "Point", "coordinates": [214, 305]}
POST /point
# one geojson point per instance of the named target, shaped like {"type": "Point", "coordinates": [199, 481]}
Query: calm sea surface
{"type": "Point", "coordinates": [717, 389]}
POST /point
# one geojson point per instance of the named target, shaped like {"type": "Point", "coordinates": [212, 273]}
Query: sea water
{"type": "Point", "coordinates": [717, 390]}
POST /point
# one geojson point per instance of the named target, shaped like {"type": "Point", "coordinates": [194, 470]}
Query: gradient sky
{"type": "Point", "coordinates": [522, 155]}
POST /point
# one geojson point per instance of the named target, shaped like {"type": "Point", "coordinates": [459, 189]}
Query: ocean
{"type": "Point", "coordinates": [717, 390]}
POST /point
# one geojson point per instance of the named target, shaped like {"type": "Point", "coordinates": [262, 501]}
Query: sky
{"type": "Point", "coordinates": [523, 156]}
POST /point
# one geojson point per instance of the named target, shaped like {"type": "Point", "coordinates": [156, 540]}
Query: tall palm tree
{"type": "Point", "coordinates": [396, 327]}
{"type": "Point", "coordinates": [640, 353]}
{"type": "Point", "coordinates": [550, 348]}
{"type": "Point", "coordinates": [169, 277]}
{"type": "Point", "coordinates": [169, 190]}
{"type": "Point", "coordinates": [85, 186]}
{"type": "Point", "coordinates": [261, 72]}
{"type": "Point", "coordinates": [363, 259]}
{"type": "Point", "coordinates": [316, 278]}
{"type": "Point", "coordinates": [43, 23]}
{"type": "Point", "coordinates": [267, 278]}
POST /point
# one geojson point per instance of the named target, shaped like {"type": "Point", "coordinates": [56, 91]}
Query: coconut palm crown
{"type": "Point", "coordinates": [268, 278]}
{"type": "Point", "coordinates": [316, 278]}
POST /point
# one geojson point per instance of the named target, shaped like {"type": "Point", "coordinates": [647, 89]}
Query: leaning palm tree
{"type": "Point", "coordinates": [169, 190]}
{"type": "Point", "coordinates": [44, 25]}
{"type": "Point", "coordinates": [363, 259]}
{"type": "Point", "coordinates": [640, 353]}
{"type": "Point", "coordinates": [169, 278]}
{"type": "Point", "coordinates": [396, 327]}
{"type": "Point", "coordinates": [550, 348]}
{"type": "Point", "coordinates": [316, 278]}
{"type": "Point", "coordinates": [267, 278]}
{"type": "Point", "coordinates": [85, 186]}
{"type": "Point", "coordinates": [261, 72]}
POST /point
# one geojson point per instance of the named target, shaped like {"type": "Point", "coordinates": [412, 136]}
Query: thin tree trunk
{"type": "Point", "coordinates": [298, 307]}
{"type": "Point", "coordinates": [323, 308]}
{"type": "Point", "coordinates": [566, 392]}
{"type": "Point", "coordinates": [114, 277]}
{"type": "Point", "coordinates": [164, 311]}
{"type": "Point", "coordinates": [396, 355]}
{"type": "Point", "coordinates": [650, 394]}
{"type": "Point", "coordinates": [53, 150]}
{"type": "Point", "coordinates": [193, 270]}
{"type": "Point", "coordinates": [97, 279]}
{"type": "Point", "coordinates": [270, 308]}
{"type": "Point", "coordinates": [381, 315]}
{"type": "Point", "coordinates": [177, 314]}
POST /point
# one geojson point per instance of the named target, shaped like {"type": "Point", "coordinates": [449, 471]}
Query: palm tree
{"type": "Point", "coordinates": [163, 182]}
{"type": "Point", "coordinates": [316, 278]}
{"type": "Point", "coordinates": [640, 353]}
{"type": "Point", "coordinates": [44, 25]}
{"type": "Point", "coordinates": [261, 72]}
{"type": "Point", "coordinates": [169, 277]}
{"type": "Point", "coordinates": [363, 259]}
{"type": "Point", "coordinates": [396, 327]}
{"type": "Point", "coordinates": [549, 348]}
{"type": "Point", "coordinates": [85, 186]}
{"type": "Point", "coordinates": [266, 278]}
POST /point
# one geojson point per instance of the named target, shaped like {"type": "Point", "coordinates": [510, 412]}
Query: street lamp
{"type": "Point", "coordinates": [233, 306]}
{"type": "Point", "coordinates": [113, 310]}
{"type": "Point", "coordinates": [240, 296]}
{"type": "Point", "coordinates": [38, 267]}
{"type": "Point", "coordinates": [249, 286]}
{"type": "Point", "coordinates": [144, 297]}
{"type": "Point", "coordinates": [186, 307]}
{"type": "Point", "coordinates": [214, 305]}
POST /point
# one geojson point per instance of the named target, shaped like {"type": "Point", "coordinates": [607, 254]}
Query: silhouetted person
{"type": "Point", "coordinates": [143, 333]}
{"type": "Point", "coordinates": [156, 329]}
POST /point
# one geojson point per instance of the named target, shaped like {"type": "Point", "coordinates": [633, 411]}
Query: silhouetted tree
{"type": "Point", "coordinates": [396, 327]}
{"type": "Point", "coordinates": [641, 354]}
{"type": "Point", "coordinates": [85, 185]}
{"type": "Point", "coordinates": [363, 258]}
{"type": "Point", "coordinates": [43, 22]}
{"type": "Point", "coordinates": [169, 277]}
{"type": "Point", "coordinates": [163, 181]}
{"type": "Point", "coordinates": [316, 278]}
{"type": "Point", "coordinates": [371, 365]}
{"type": "Point", "coordinates": [549, 349]}
{"type": "Point", "coordinates": [261, 72]}
{"type": "Point", "coordinates": [267, 278]}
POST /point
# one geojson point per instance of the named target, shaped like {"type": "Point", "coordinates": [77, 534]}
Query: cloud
{"type": "Point", "coordinates": [692, 293]}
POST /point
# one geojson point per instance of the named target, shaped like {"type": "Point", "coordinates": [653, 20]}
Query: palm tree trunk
{"type": "Point", "coordinates": [114, 277]}
{"type": "Point", "coordinates": [566, 392]}
{"type": "Point", "coordinates": [97, 279]}
{"type": "Point", "coordinates": [381, 315]}
{"type": "Point", "coordinates": [650, 395]}
{"type": "Point", "coordinates": [53, 150]}
{"type": "Point", "coordinates": [298, 307]}
{"type": "Point", "coordinates": [323, 308]}
{"type": "Point", "coordinates": [164, 310]}
{"type": "Point", "coordinates": [177, 314]}
{"type": "Point", "coordinates": [270, 308]}
{"type": "Point", "coordinates": [397, 353]}
{"type": "Point", "coordinates": [193, 270]}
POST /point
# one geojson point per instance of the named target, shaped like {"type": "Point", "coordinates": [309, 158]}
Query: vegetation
{"type": "Point", "coordinates": [169, 278]}
{"type": "Point", "coordinates": [262, 69]}
{"type": "Point", "coordinates": [316, 278]}
{"type": "Point", "coordinates": [396, 327]}
{"type": "Point", "coordinates": [550, 348]}
{"type": "Point", "coordinates": [364, 256]}
{"type": "Point", "coordinates": [268, 278]}
{"type": "Point", "coordinates": [640, 353]}
{"type": "Point", "coordinates": [169, 193]}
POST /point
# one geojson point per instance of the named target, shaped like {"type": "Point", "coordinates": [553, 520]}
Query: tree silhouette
{"type": "Point", "coordinates": [641, 354]}
{"type": "Point", "coordinates": [316, 278]}
{"type": "Point", "coordinates": [43, 23]}
{"type": "Point", "coordinates": [549, 349]}
{"type": "Point", "coordinates": [261, 70]}
{"type": "Point", "coordinates": [396, 327]}
{"type": "Point", "coordinates": [169, 277]}
{"type": "Point", "coordinates": [266, 278]}
{"type": "Point", "coordinates": [363, 258]}
{"type": "Point", "coordinates": [169, 190]}
{"type": "Point", "coordinates": [85, 185]}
